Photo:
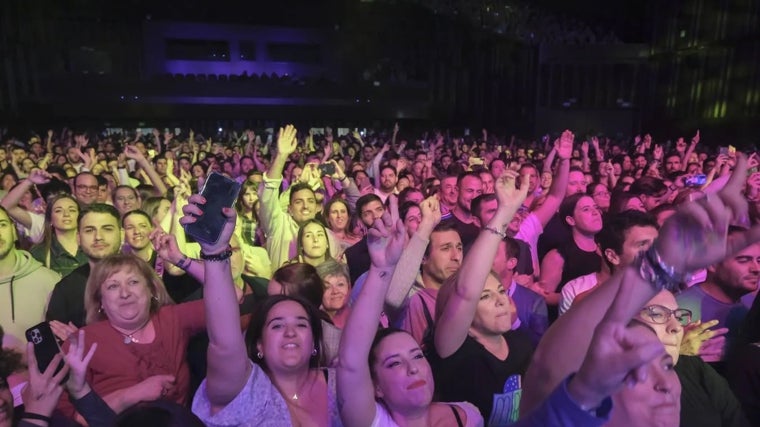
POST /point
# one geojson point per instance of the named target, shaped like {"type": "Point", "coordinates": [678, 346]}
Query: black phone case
{"type": "Point", "coordinates": [219, 192]}
{"type": "Point", "coordinates": [45, 344]}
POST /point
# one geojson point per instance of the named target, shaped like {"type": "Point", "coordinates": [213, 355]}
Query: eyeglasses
{"type": "Point", "coordinates": [660, 315]}
{"type": "Point", "coordinates": [602, 194]}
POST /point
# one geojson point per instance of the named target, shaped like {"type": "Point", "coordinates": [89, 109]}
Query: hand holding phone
{"type": "Point", "coordinates": [327, 169]}
{"type": "Point", "coordinates": [205, 224]}
{"type": "Point", "coordinates": [44, 344]}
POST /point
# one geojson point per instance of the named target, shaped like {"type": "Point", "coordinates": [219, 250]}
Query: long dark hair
{"type": "Point", "coordinates": [258, 322]}
{"type": "Point", "coordinates": [49, 234]}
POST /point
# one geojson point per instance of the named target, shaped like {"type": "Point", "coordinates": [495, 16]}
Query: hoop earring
{"type": "Point", "coordinates": [314, 352]}
{"type": "Point", "coordinates": [260, 355]}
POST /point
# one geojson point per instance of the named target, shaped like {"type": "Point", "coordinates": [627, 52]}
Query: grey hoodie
{"type": "Point", "coordinates": [23, 298]}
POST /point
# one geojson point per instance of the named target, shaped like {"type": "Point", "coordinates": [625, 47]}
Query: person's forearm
{"type": "Point", "coordinates": [94, 409]}
{"type": "Point", "coordinates": [549, 160]}
{"type": "Point", "coordinates": [351, 192]}
{"type": "Point", "coordinates": [361, 326]}
{"type": "Point", "coordinates": [14, 196]}
{"type": "Point", "coordinates": [158, 184]}
{"type": "Point", "coordinates": [275, 169]}
{"type": "Point", "coordinates": [585, 163]}
{"type": "Point", "coordinates": [120, 400]}
{"type": "Point", "coordinates": [376, 167]}
{"type": "Point", "coordinates": [571, 334]}
{"type": "Point", "coordinates": [559, 183]}
{"type": "Point", "coordinates": [406, 271]}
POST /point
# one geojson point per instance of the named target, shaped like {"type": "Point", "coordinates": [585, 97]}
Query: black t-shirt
{"type": "Point", "coordinates": [706, 399]}
{"type": "Point", "coordinates": [475, 375]}
{"type": "Point", "coordinates": [67, 299]}
{"type": "Point", "coordinates": [468, 232]}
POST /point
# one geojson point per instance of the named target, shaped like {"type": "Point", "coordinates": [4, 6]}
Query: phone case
{"type": "Point", "coordinates": [45, 344]}
{"type": "Point", "coordinates": [219, 192]}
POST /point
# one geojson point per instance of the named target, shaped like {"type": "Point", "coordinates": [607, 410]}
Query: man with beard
{"type": "Point", "coordinates": [726, 293]}
{"type": "Point", "coordinates": [99, 236]}
{"type": "Point", "coordinates": [469, 186]}
{"type": "Point", "coordinates": [387, 182]}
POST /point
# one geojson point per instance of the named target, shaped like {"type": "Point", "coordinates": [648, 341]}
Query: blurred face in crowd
{"type": "Point", "coordinates": [576, 183]}
{"type": "Point", "coordinates": [586, 217]}
{"type": "Point", "coordinates": [246, 165]}
{"type": "Point", "coordinates": [19, 154]}
{"type": "Point", "coordinates": [8, 182]}
{"type": "Point", "coordinates": [99, 235]}
{"type": "Point", "coordinates": [602, 197]}
{"type": "Point", "coordinates": [371, 211]}
{"type": "Point", "coordinates": [651, 202]}
{"type": "Point", "coordinates": [137, 228]}
{"type": "Point", "coordinates": [403, 378]}
{"type": "Point", "coordinates": [654, 402]}
{"type": "Point", "coordinates": [412, 220]}
{"type": "Point", "coordinates": [627, 164]}
{"type": "Point", "coordinates": [738, 275]}
{"type": "Point", "coordinates": [63, 216]}
{"type": "Point", "coordinates": [163, 209]}
{"type": "Point", "coordinates": [444, 257]}
{"type": "Point", "coordinates": [672, 164]}
{"type": "Point", "coordinates": [303, 205]}
{"type": "Point", "coordinates": [497, 168]}
{"type": "Point", "coordinates": [388, 180]}
{"type": "Point", "coordinates": [470, 187]}
{"type": "Point", "coordinates": [248, 198]}
{"type": "Point", "coordinates": [449, 190]}
{"type": "Point", "coordinates": [6, 404]}
{"type": "Point", "coordinates": [495, 311]}
{"type": "Point", "coordinates": [72, 155]}
{"type": "Point", "coordinates": [314, 241]}
{"type": "Point", "coordinates": [3, 154]}
{"type": "Point", "coordinates": [125, 200]}
{"type": "Point", "coordinates": [532, 177]}
{"type": "Point", "coordinates": [640, 162]}
{"type": "Point", "coordinates": [337, 217]}
{"type": "Point", "coordinates": [336, 293]}
{"type": "Point", "coordinates": [488, 181]}
{"type": "Point", "coordinates": [86, 188]}
{"type": "Point", "coordinates": [445, 162]}
{"type": "Point", "coordinates": [27, 164]}
{"type": "Point", "coordinates": [161, 165]}
{"type": "Point", "coordinates": [197, 171]}
{"type": "Point", "coordinates": [184, 164]}
{"type": "Point", "coordinates": [7, 235]}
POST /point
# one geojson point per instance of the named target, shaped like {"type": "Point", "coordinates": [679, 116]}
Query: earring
{"type": "Point", "coordinates": [155, 298]}
{"type": "Point", "coordinates": [100, 310]}
{"type": "Point", "coordinates": [260, 355]}
{"type": "Point", "coordinates": [314, 352]}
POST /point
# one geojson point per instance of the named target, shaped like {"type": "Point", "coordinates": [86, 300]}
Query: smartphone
{"type": "Point", "coordinates": [695, 180]}
{"type": "Point", "coordinates": [219, 192]}
{"type": "Point", "coordinates": [45, 345]}
{"type": "Point", "coordinates": [327, 168]}
{"type": "Point", "coordinates": [723, 151]}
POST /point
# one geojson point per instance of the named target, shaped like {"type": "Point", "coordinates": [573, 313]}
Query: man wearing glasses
{"type": "Point", "coordinates": [85, 188]}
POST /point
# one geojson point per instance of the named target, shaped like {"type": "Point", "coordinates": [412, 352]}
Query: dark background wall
{"type": "Point", "coordinates": [525, 67]}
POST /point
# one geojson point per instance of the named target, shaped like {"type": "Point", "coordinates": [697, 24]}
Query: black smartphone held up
{"type": "Point", "coordinates": [45, 345]}
{"type": "Point", "coordinates": [327, 168]}
{"type": "Point", "coordinates": [219, 192]}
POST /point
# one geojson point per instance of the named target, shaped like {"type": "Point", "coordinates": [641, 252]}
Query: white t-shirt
{"type": "Point", "coordinates": [474, 419]}
{"type": "Point", "coordinates": [573, 288]}
{"type": "Point", "coordinates": [529, 232]}
{"type": "Point", "coordinates": [36, 232]}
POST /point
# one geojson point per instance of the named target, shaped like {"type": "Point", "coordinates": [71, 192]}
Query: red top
{"type": "Point", "coordinates": [117, 365]}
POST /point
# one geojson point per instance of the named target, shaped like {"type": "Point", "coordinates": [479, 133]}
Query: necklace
{"type": "Point", "coordinates": [130, 337]}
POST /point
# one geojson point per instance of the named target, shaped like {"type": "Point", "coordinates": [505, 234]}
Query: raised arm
{"type": "Point", "coordinates": [228, 364]}
{"type": "Point", "coordinates": [687, 154]}
{"type": "Point", "coordinates": [376, 164]}
{"type": "Point", "coordinates": [407, 269]}
{"type": "Point", "coordinates": [11, 200]}
{"type": "Point", "coordinates": [286, 145]}
{"type": "Point", "coordinates": [356, 393]}
{"type": "Point", "coordinates": [133, 153]}
{"type": "Point", "coordinates": [564, 150]}
{"type": "Point", "coordinates": [550, 158]}
{"type": "Point", "coordinates": [455, 311]}
{"type": "Point", "coordinates": [693, 238]}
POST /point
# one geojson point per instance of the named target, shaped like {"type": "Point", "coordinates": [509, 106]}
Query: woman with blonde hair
{"type": "Point", "coordinates": [142, 336]}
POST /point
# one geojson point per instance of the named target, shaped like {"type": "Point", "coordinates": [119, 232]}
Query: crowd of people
{"type": "Point", "coordinates": [379, 280]}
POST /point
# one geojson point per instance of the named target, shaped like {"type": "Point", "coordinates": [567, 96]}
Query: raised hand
{"type": "Point", "coordinates": [165, 245]}
{"type": "Point", "coordinates": [286, 140]}
{"type": "Point", "coordinates": [78, 362]}
{"type": "Point", "coordinates": [431, 212]}
{"type": "Point", "coordinates": [133, 153]}
{"type": "Point", "coordinates": [698, 335]}
{"type": "Point", "coordinates": [155, 387]}
{"type": "Point", "coordinates": [62, 330]}
{"type": "Point", "coordinates": [386, 240]}
{"type": "Point", "coordinates": [564, 145]}
{"type": "Point", "coordinates": [43, 390]}
{"type": "Point", "coordinates": [695, 139]}
{"type": "Point", "coordinates": [507, 193]}
{"type": "Point", "coordinates": [615, 357]}
{"type": "Point", "coordinates": [194, 209]}
{"type": "Point", "coordinates": [584, 148]}
{"type": "Point", "coordinates": [696, 236]}
{"type": "Point", "coordinates": [39, 177]}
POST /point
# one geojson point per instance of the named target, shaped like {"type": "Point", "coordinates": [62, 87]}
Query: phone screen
{"type": "Point", "coordinates": [219, 192]}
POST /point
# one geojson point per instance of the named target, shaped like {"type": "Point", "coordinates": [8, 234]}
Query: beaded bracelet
{"type": "Point", "coordinates": [218, 257]}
